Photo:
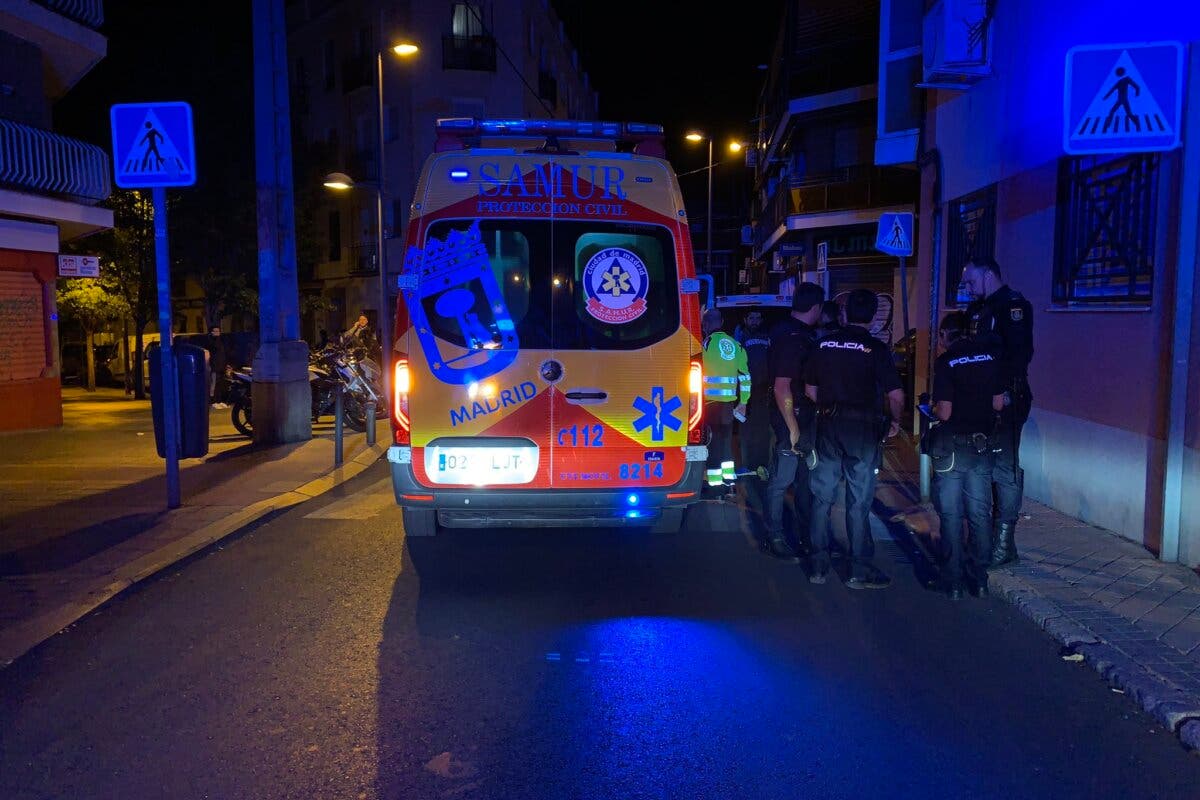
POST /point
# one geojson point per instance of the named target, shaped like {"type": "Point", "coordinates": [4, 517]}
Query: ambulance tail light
{"type": "Point", "coordinates": [401, 383]}
{"type": "Point", "coordinates": [695, 403]}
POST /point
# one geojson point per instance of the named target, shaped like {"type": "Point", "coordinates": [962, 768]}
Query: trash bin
{"type": "Point", "coordinates": [191, 368]}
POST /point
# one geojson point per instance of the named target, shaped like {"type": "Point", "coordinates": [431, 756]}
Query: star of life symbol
{"type": "Point", "coordinates": [615, 282]}
{"type": "Point", "coordinates": [657, 413]}
{"type": "Point", "coordinates": [727, 349]}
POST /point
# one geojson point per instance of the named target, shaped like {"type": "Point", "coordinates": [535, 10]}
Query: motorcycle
{"type": "Point", "coordinates": [328, 369]}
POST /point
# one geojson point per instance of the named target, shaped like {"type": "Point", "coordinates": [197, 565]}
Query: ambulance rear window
{"type": "Point", "coordinates": [566, 284]}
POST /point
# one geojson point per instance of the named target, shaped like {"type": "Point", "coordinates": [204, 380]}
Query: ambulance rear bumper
{"type": "Point", "coordinates": [485, 506]}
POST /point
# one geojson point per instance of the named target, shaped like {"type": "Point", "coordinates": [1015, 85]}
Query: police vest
{"type": "Point", "coordinates": [726, 374]}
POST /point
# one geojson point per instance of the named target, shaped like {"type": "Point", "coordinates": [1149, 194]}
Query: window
{"type": "Point", "coordinates": [466, 20]}
{"type": "Point", "coordinates": [391, 116]}
{"type": "Point", "coordinates": [550, 308]}
{"type": "Point", "coordinates": [335, 236]}
{"type": "Point", "coordinates": [1105, 229]}
{"type": "Point", "coordinates": [330, 71]}
{"type": "Point", "coordinates": [972, 233]}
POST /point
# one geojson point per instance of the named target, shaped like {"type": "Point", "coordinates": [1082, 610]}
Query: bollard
{"type": "Point", "coordinates": [338, 404]}
{"type": "Point", "coordinates": [371, 425]}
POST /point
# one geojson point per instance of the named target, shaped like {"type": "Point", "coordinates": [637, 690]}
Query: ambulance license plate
{"type": "Point", "coordinates": [481, 466]}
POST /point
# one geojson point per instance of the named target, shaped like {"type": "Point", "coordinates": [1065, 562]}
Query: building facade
{"type": "Point", "coordinates": [1103, 245]}
{"type": "Point", "coordinates": [818, 193]}
{"type": "Point", "coordinates": [498, 58]}
{"type": "Point", "coordinates": [50, 186]}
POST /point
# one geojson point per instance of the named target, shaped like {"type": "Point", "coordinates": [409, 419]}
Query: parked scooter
{"type": "Point", "coordinates": [328, 369]}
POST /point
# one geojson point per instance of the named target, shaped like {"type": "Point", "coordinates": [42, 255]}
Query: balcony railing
{"type": "Point", "coordinates": [37, 160]}
{"type": "Point", "coordinates": [85, 12]}
{"type": "Point", "coordinates": [362, 259]}
{"type": "Point", "coordinates": [850, 188]}
{"type": "Point", "coordinates": [469, 52]}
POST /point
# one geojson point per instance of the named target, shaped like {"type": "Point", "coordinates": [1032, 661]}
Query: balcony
{"type": "Point", "coordinates": [362, 259]}
{"type": "Point", "coordinates": [39, 161]}
{"type": "Point", "coordinates": [858, 187]}
{"type": "Point", "coordinates": [67, 33]}
{"type": "Point", "coordinates": [469, 52]}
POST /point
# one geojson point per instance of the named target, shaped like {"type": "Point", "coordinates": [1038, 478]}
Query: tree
{"type": "Point", "coordinates": [127, 257]}
{"type": "Point", "coordinates": [92, 304]}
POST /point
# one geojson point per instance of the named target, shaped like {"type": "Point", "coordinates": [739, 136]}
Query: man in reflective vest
{"type": "Point", "coordinates": [726, 393]}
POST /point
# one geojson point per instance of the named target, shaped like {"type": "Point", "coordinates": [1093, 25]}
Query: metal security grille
{"type": "Point", "coordinates": [972, 234]}
{"type": "Point", "coordinates": [1105, 229]}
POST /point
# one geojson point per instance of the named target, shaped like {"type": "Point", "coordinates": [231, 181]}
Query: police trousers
{"type": "Point", "coordinates": [1008, 479]}
{"type": "Point", "coordinates": [754, 435]}
{"type": "Point", "coordinates": [848, 449]}
{"type": "Point", "coordinates": [789, 469]}
{"type": "Point", "coordinates": [962, 488]}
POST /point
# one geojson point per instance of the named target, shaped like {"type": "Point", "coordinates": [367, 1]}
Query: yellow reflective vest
{"type": "Point", "coordinates": [726, 374]}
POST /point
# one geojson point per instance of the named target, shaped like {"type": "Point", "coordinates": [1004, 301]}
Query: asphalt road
{"type": "Point", "coordinates": [321, 656]}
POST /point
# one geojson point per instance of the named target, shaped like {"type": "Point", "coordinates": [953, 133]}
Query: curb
{"type": "Point", "coordinates": [23, 637]}
{"type": "Point", "coordinates": [1175, 709]}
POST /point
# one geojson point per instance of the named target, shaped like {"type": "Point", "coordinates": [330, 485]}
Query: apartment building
{"type": "Point", "coordinates": [1102, 243]}
{"type": "Point", "coordinates": [50, 186]}
{"type": "Point", "coordinates": [818, 193]}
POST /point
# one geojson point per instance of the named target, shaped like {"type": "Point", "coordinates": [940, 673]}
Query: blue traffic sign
{"type": "Point", "coordinates": [153, 145]}
{"type": "Point", "coordinates": [895, 235]}
{"type": "Point", "coordinates": [1123, 98]}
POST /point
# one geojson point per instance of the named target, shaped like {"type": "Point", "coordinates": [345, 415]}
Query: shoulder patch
{"type": "Point", "coordinates": [1016, 313]}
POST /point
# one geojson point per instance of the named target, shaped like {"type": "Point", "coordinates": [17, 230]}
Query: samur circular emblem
{"type": "Point", "coordinates": [615, 282]}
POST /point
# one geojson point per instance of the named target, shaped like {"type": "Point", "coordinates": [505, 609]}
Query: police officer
{"type": "Point", "coordinates": [967, 397]}
{"type": "Point", "coordinates": [754, 435]}
{"type": "Point", "coordinates": [1005, 318]}
{"type": "Point", "coordinates": [851, 378]}
{"type": "Point", "coordinates": [726, 391]}
{"type": "Point", "coordinates": [792, 414]}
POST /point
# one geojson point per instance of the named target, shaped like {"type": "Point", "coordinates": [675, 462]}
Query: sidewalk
{"type": "Point", "coordinates": [1107, 600]}
{"type": "Point", "coordinates": [83, 507]}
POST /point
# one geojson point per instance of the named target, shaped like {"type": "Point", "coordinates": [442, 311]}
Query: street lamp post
{"type": "Point", "coordinates": [697, 136]}
{"type": "Point", "coordinates": [341, 181]}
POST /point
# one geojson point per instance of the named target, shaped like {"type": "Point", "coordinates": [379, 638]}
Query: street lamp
{"type": "Point", "coordinates": [697, 136]}
{"type": "Point", "coordinates": [341, 182]}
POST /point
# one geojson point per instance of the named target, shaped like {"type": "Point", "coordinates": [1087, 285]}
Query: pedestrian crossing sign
{"type": "Point", "coordinates": [152, 145]}
{"type": "Point", "coordinates": [1123, 98]}
{"type": "Point", "coordinates": [895, 234]}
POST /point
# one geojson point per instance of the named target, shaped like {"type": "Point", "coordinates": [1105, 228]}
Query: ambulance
{"type": "Point", "coordinates": [546, 368]}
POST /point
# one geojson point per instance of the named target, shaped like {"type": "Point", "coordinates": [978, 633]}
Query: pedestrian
{"type": "Point", "coordinates": [792, 417]}
{"type": "Point", "coordinates": [754, 435]}
{"type": "Point", "coordinates": [1004, 317]}
{"type": "Point", "coordinates": [967, 398]}
{"type": "Point", "coordinates": [323, 339]}
{"type": "Point", "coordinates": [831, 318]}
{"type": "Point", "coordinates": [852, 380]}
{"type": "Point", "coordinates": [726, 393]}
{"type": "Point", "coordinates": [216, 368]}
{"type": "Point", "coordinates": [356, 335]}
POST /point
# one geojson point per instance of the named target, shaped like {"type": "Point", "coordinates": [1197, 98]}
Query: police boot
{"type": "Point", "coordinates": [1004, 546]}
{"type": "Point", "coordinates": [778, 547]}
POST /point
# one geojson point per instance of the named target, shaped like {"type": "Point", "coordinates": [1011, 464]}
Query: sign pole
{"type": "Point", "coordinates": [170, 386]}
{"type": "Point", "coordinates": [904, 296]}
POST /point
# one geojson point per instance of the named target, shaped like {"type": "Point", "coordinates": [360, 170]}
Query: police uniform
{"type": "Point", "coordinates": [755, 433]}
{"type": "Point", "coordinates": [961, 448]}
{"type": "Point", "coordinates": [792, 342]}
{"type": "Point", "coordinates": [726, 384]}
{"type": "Point", "coordinates": [1005, 320]}
{"type": "Point", "coordinates": [851, 371]}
